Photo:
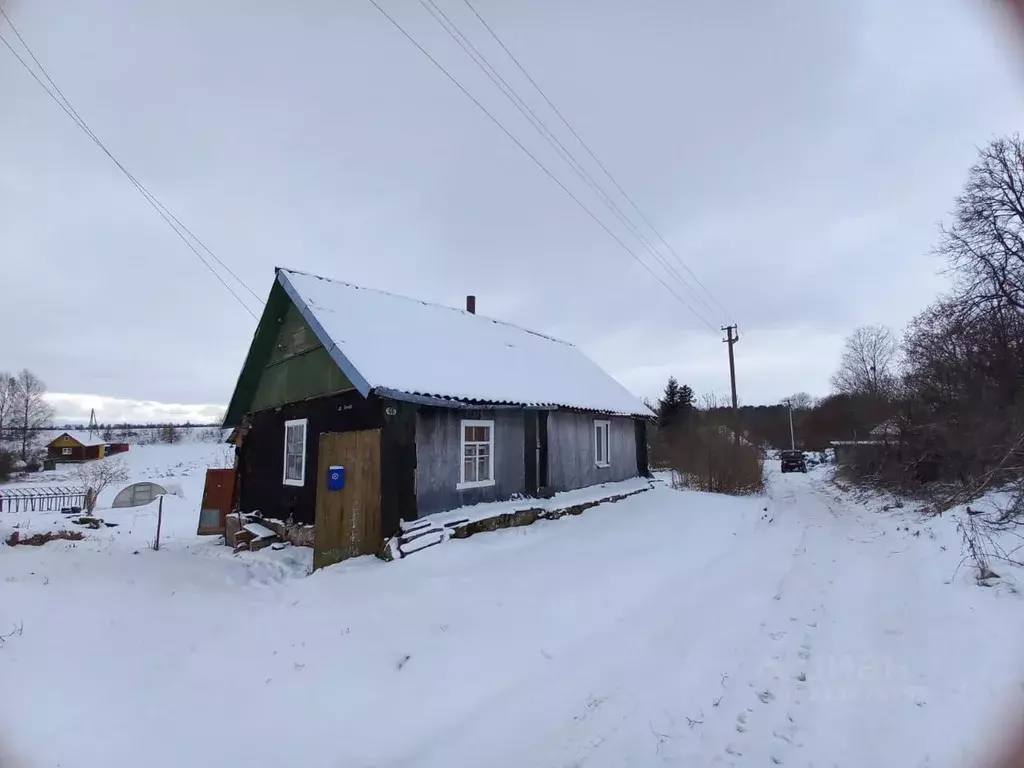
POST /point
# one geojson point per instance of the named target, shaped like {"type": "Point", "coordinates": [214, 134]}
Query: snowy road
{"type": "Point", "coordinates": [670, 628]}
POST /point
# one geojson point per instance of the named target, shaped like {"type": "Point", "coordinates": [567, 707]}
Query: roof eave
{"type": "Point", "coordinates": [459, 403]}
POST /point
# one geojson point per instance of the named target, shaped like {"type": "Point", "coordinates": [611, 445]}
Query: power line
{"type": "Point", "coordinates": [159, 207]}
{"type": "Point", "coordinates": [510, 93]}
{"type": "Point", "coordinates": [590, 152]}
{"type": "Point", "coordinates": [533, 157]}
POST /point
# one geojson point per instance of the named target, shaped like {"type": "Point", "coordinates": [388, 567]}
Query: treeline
{"type": "Point", "coordinates": [957, 394]}
{"type": "Point", "coordinates": [947, 398]}
{"type": "Point", "coordinates": [941, 402]}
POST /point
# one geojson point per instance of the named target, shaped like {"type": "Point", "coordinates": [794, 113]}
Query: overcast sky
{"type": "Point", "coordinates": [798, 155]}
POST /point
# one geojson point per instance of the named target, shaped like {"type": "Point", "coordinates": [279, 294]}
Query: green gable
{"type": "Point", "coordinates": [286, 362]}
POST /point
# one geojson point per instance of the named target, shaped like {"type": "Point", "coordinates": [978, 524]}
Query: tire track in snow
{"type": "Point", "coordinates": [639, 687]}
{"type": "Point", "coordinates": [767, 724]}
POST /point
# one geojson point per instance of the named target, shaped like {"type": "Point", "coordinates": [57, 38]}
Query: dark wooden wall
{"type": "Point", "coordinates": [420, 452]}
{"type": "Point", "coordinates": [397, 466]}
{"type": "Point", "coordinates": [261, 464]}
{"type": "Point", "coordinates": [438, 458]}
{"type": "Point", "coordinates": [643, 464]}
{"type": "Point", "coordinates": [571, 450]}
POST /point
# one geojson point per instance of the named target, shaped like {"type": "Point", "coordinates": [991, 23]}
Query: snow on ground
{"type": "Point", "coordinates": [181, 469]}
{"type": "Point", "coordinates": [671, 627]}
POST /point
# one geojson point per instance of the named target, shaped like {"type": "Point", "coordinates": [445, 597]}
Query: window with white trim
{"type": "Point", "coordinates": [295, 452]}
{"type": "Point", "coordinates": [65, 451]}
{"type": "Point", "coordinates": [601, 431]}
{"type": "Point", "coordinates": [477, 467]}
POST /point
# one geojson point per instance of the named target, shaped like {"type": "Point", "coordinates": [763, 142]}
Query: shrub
{"type": "Point", "coordinates": [96, 476]}
{"type": "Point", "coordinates": [709, 458]}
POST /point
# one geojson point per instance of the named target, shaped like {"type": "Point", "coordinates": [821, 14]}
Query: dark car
{"type": "Point", "coordinates": [793, 461]}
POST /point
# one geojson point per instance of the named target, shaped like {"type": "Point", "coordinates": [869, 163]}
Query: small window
{"type": "Point", "coordinates": [477, 469]}
{"type": "Point", "coordinates": [295, 452]}
{"type": "Point", "coordinates": [65, 451]}
{"type": "Point", "coordinates": [601, 430]}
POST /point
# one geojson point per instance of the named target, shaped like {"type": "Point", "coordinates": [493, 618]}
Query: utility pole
{"type": "Point", "coordinates": [792, 439]}
{"type": "Point", "coordinates": [93, 426]}
{"type": "Point", "coordinates": [732, 335]}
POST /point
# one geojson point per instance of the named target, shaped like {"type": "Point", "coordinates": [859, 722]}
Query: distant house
{"type": "Point", "coordinates": [887, 430]}
{"type": "Point", "coordinates": [76, 446]}
{"type": "Point", "coordinates": [426, 408]}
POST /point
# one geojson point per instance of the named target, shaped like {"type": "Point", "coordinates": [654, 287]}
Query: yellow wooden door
{"type": "Point", "coordinates": [348, 520]}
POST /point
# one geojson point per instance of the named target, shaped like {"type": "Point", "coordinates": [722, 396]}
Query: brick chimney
{"type": "Point", "coordinates": [471, 304]}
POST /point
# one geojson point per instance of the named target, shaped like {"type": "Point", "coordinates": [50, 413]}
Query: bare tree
{"type": "Point", "coordinates": [97, 476]}
{"type": "Point", "coordinates": [6, 405]}
{"type": "Point", "coordinates": [984, 245]}
{"type": "Point", "coordinates": [168, 433]}
{"type": "Point", "coordinates": [801, 401]}
{"type": "Point", "coordinates": [868, 365]}
{"type": "Point", "coordinates": [29, 411]}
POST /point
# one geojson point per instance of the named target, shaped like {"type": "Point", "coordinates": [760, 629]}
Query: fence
{"type": "Point", "coordinates": [40, 499]}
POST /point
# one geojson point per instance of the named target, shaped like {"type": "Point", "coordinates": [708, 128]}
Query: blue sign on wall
{"type": "Point", "coordinates": [335, 478]}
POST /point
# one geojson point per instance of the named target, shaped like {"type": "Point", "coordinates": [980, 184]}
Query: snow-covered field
{"type": "Point", "coordinates": [669, 628]}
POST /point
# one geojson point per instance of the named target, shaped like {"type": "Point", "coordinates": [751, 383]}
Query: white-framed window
{"type": "Point", "coordinates": [295, 452]}
{"type": "Point", "coordinates": [601, 431]}
{"type": "Point", "coordinates": [65, 451]}
{"type": "Point", "coordinates": [477, 467]}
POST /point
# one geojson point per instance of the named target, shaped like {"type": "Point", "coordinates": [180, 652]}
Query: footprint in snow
{"type": "Point", "coordinates": [766, 696]}
{"type": "Point", "coordinates": [741, 722]}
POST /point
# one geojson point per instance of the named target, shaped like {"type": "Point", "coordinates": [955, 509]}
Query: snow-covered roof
{"type": "Point", "coordinates": [84, 438]}
{"type": "Point", "coordinates": [889, 428]}
{"type": "Point", "coordinates": [402, 347]}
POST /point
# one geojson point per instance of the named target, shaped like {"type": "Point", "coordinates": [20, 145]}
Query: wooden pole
{"type": "Point", "coordinates": [732, 335]}
{"type": "Point", "coordinates": [159, 521]}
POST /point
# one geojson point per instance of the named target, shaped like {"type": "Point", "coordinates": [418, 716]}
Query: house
{"type": "Point", "coordinates": [357, 409]}
{"type": "Point", "coordinates": [887, 430]}
{"type": "Point", "coordinates": [76, 446]}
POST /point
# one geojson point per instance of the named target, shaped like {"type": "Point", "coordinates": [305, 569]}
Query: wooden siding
{"type": "Point", "coordinates": [571, 450]}
{"type": "Point", "coordinates": [298, 368]}
{"type": "Point", "coordinates": [438, 458]}
{"type": "Point", "coordinates": [261, 458]}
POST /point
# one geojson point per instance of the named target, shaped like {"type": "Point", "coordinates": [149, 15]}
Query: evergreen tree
{"type": "Point", "coordinates": [668, 403]}
{"type": "Point", "coordinates": [686, 400]}
{"type": "Point", "coordinates": [676, 405]}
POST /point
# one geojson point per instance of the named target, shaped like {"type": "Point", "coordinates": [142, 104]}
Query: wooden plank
{"type": "Point", "coordinates": [348, 521]}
